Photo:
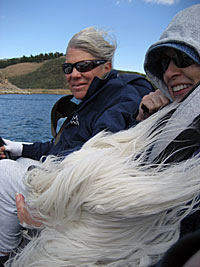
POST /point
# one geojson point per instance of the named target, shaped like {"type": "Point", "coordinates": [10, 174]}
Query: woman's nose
{"type": "Point", "coordinates": [172, 70]}
{"type": "Point", "coordinates": [75, 73]}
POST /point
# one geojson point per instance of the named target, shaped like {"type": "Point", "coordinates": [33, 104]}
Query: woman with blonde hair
{"type": "Point", "coordinates": [101, 99]}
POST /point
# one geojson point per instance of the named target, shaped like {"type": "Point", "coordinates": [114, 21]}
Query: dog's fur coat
{"type": "Point", "coordinates": [102, 206]}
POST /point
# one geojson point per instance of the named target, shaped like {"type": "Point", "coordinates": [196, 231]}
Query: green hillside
{"type": "Point", "coordinates": [48, 76]}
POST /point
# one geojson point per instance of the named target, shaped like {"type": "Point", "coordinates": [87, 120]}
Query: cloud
{"type": "Point", "coordinates": [120, 1]}
{"type": "Point", "coordinates": [159, 2]}
{"type": "Point", "coordinates": [162, 2]}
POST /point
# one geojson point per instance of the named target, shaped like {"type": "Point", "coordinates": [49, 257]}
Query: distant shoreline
{"type": "Point", "coordinates": [4, 91]}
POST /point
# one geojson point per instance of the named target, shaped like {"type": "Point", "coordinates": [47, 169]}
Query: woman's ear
{"type": "Point", "coordinates": [108, 66]}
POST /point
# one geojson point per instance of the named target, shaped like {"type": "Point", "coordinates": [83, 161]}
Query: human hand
{"type": "Point", "coordinates": [3, 154]}
{"type": "Point", "coordinates": [23, 214]}
{"type": "Point", "coordinates": [15, 148]}
{"type": "Point", "coordinates": [150, 104]}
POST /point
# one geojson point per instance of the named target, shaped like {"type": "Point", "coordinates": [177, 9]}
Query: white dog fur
{"type": "Point", "coordinates": [102, 206]}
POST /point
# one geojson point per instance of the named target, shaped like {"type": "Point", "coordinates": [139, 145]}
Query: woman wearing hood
{"type": "Point", "coordinates": [173, 65]}
{"type": "Point", "coordinates": [127, 209]}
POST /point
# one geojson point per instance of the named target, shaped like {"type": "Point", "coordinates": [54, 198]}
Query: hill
{"type": "Point", "coordinates": [48, 75]}
{"type": "Point", "coordinates": [7, 88]}
{"type": "Point", "coordinates": [20, 69]}
{"type": "Point", "coordinates": [43, 77]}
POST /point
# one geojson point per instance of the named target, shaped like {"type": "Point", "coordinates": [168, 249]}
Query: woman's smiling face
{"type": "Point", "coordinates": [79, 82]}
{"type": "Point", "coordinates": [180, 81]}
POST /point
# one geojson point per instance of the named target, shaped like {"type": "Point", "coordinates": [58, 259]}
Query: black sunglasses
{"type": "Point", "coordinates": [180, 59]}
{"type": "Point", "coordinates": [82, 66]}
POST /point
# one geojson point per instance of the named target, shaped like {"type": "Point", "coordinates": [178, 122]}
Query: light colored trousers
{"type": "Point", "coordinates": [11, 182]}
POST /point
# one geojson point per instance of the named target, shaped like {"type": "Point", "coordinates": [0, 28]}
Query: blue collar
{"type": "Point", "coordinates": [75, 100]}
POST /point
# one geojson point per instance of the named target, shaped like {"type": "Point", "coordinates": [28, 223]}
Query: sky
{"type": "Point", "coordinates": [31, 27]}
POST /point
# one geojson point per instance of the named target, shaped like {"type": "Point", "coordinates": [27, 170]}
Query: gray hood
{"type": "Point", "coordinates": [183, 29]}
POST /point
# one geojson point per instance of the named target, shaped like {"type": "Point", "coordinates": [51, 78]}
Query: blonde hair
{"type": "Point", "coordinates": [96, 42]}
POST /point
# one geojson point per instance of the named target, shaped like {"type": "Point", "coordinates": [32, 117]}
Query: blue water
{"type": "Point", "coordinates": [26, 117]}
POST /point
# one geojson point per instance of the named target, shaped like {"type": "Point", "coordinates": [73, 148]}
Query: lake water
{"type": "Point", "coordinates": [26, 117]}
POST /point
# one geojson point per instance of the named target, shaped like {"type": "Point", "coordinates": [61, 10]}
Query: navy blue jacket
{"type": "Point", "coordinates": [110, 104]}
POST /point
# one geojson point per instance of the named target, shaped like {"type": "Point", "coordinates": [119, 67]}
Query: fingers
{"type": "Point", "coordinates": [2, 154]}
{"type": "Point", "coordinates": [23, 213]}
{"type": "Point", "coordinates": [152, 102]}
{"type": "Point", "coordinates": [21, 209]}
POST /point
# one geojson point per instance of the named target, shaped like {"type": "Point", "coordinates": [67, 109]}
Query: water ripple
{"type": "Point", "coordinates": [26, 117]}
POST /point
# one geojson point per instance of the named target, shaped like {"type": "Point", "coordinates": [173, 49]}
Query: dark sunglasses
{"type": "Point", "coordinates": [82, 66]}
{"type": "Point", "coordinates": [181, 60]}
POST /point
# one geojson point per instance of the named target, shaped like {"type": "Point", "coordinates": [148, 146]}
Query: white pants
{"type": "Point", "coordinates": [11, 182]}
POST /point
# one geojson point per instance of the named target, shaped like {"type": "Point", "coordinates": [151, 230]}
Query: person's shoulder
{"type": "Point", "coordinates": [133, 78]}
{"type": "Point", "coordinates": [126, 78]}
{"type": "Point", "coordinates": [128, 83]}
{"type": "Point", "coordinates": [139, 82]}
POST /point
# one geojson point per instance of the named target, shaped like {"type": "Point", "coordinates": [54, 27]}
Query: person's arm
{"type": "Point", "coordinates": [150, 104]}
{"type": "Point", "coordinates": [10, 149]}
{"type": "Point", "coordinates": [36, 150]}
{"type": "Point", "coordinates": [24, 149]}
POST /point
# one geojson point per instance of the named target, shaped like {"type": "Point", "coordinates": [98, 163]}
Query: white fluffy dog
{"type": "Point", "coordinates": [105, 205]}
